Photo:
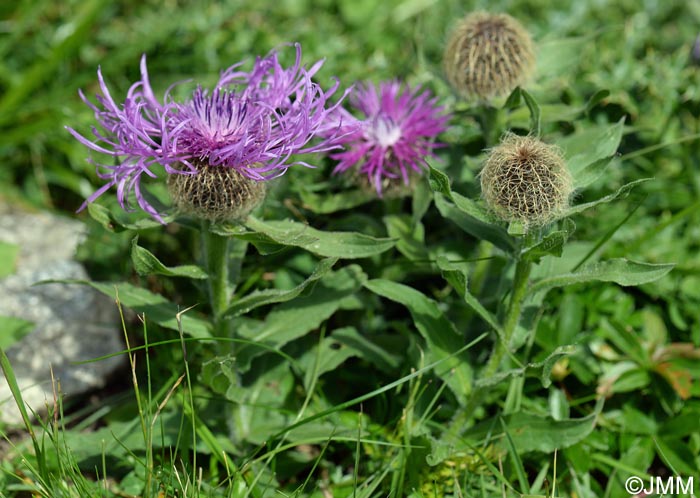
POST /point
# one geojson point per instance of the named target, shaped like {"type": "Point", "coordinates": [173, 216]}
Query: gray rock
{"type": "Point", "coordinates": [72, 323]}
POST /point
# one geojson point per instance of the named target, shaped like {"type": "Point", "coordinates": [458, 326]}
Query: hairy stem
{"type": "Point", "coordinates": [519, 292]}
{"type": "Point", "coordinates": [215, 249]}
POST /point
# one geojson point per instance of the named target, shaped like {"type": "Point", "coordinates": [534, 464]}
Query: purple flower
{"type": "Point", "coordinates": [396, 135]}
{"type": "Point", "coordinates": [251, 121]}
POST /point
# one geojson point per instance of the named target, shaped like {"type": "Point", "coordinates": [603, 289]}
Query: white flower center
{"type": "Point", "coordinates": [385, 132]}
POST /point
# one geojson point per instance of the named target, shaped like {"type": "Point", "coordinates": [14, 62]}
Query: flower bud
{"type": "Point", "coordinates": [488, 55]}
{"type": "Point", "coordinates": [526, 180]}
{"type": "Point", "coordinates": [216, 193]}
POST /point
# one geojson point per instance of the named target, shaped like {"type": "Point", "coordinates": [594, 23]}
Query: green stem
{"type": "Point", "coordinates": [215, 249]}
{"type": "Point", "coordinates": [520, 281]}
{"type": "Point", "coordinates": [491, 121]}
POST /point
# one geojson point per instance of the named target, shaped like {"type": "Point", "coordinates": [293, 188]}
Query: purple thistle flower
{"type": "Point", "coordinates": [251, 121]}
{"type": "Point", "coordinates": [396, 135]}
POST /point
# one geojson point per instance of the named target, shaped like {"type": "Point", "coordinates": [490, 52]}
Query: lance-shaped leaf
{"type": "Point", "coordinates": [440, 334]}
{"type": "Point", "coordinates": [551, 244]}
{"type": "Point", "coordinates": [270, 296]}
{"type": "Point", "coordinates": [621, 192]}
{"type": "Point", "coordinates": [467, 214]}
{"type": "Point", "coordinates": [146, 263]}
{"type": "Point", "coordinates": [293, 319]}
{"type": "Point", "coordinates": [326, 204]}
{"type": "Point", "coordinates": [530, 432]}
{"type": "Point", "coordinates": [621, 271]}
{"type": "Point", "coordinates": [541, 369]}
{"type": "Point", "coordinates": [154, 306]}
{"type": "Point", "coordinates": [590, 151]}
{"type": "Point", "coordinates": [456, 275]}
{"type": "Point", "coordinates": [343, 245]}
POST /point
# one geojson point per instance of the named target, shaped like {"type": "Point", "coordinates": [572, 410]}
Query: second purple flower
{"type": "Point", "coordinates": [394, 135]}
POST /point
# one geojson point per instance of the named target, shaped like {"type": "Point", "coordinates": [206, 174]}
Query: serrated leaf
{"type": "Point", "coordinates": [439, 182]}
{"type": "Point", "coordinates": [326, 204]}
{"type": "Point", "coordinates": [456, 276]}
{"type": "Point", "coordinates": [440, 334]}
{"type": "Point", "coordinates": [341, 344]}
{"type": "Point", "coordinates": [552, 244]}
{"type": "Point", "coordinates": [530, 432]}
{"type": "Point", "coordinates": [590, 146]}
{"type": "Point", "coordinates": [474, 226]}
{"type": "Point", "coordinates": [621, 271]}
{"type": "Point", "coordinates": [13, 329]}
{"type": "Point", "coordinates": [590, 173]}
{"type": "Point", "coordinates": [154, 306]}
{"type": "Point", "coordinates": [410, 237]}
{"type": "Point", "coordinates": [270, 296]}
{"type": "Point", "coordinates": [293, 319]}
{"type": "Point", "coordinates": [343, 245]}
{"type": "Point", "coordinates": [621, 192]}
{"type": "Point", "coordinates": [146, 263]}
{"type": "Point", "coordinates": [541, 369]}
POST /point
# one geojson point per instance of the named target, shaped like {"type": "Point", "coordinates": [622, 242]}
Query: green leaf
{"type": "Point", "coordinates": [537, 433]}
{"type": "Point", "coordinates": [589, 152]}
{"type": "Point", "coordinates": [154, 306]}
{"type": "Point", "coordinates": [8, 258]}
{"type": "Point", "coordinates": [440, 334]}
{"type": "Point", "coordinates": [326, 204]}
{"type": "Point", "coordinates": [513, 100]}
{"type": "Point", "coordinates": [456, 276]}
{"type": "Point", "coordinates": [552, 244]}
{"type": "Point", "coordinates": [591, 172]}
{"type": "Point", "coordinates": [621, 271]}
{"type": "Point", "coordinates": [541, 369]}
{"type": "Point", "coordinates": [556, 57]}
{"type": "Point", "coordinates": [145, 263]}
{"type": "Point", "coordinates": [467, 214]}
{"type": "Point", "coordinates": [439, 182]}
{"type": "Point", "coordinates": [13, 329]}
{"type": "Point", "coordinates": [410, 236]}
{"type": "Point", "coordinates": [535, 113]}
{"type": "Point", "coordinates": [344, 245]}
{"type": "Point", "coordinates": [294, 319]}
{"type": "Point", "coordinates": [269, 296]}
{"type": "Point", "coordinates": [343, 343]}
{"type": "Point", "coordinates": [621, 192]}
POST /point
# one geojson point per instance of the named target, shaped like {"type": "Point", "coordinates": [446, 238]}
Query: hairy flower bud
{"type": "Point", "coordinates": [488, 55]}
{"type": "Point", "coordinates": [216, 193]}
{"type": "Point", "coordinates": [526, 180]}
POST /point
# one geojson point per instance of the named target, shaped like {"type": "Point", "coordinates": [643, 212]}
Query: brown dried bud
{"type": "Point", "coordinates": [488, 55]}
{"type": "Point", "coordinates": [526, 180]}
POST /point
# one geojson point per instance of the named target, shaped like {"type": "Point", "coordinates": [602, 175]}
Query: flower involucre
{"type": "Point", "coordinates": [526, 180]}
{"type": "Point", "coordinates": [488, 55]}
{"type": "Point", "coordinates": [392, 138]}
{"type": "Point", "coordinates": [216, 194]}
{"type": "Point", "coordinates": [250, 123]}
